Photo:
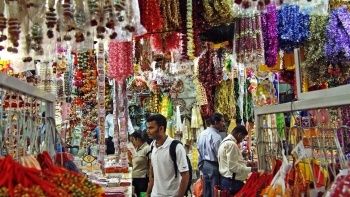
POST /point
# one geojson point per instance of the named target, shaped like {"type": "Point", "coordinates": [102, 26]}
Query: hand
{"type": "Point", "coordinates": [252, 164]}
{"type": "Point", "coordinates": [129, 156]}
{"type": "Point", "coordinates": [254, 169]}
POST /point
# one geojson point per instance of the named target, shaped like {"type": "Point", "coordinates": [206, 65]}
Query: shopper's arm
{"type": "Point", "coordinates": [234, 166]}
{"type": "Point", "coordinates": [185, 176]}
{"type": "Point", "coordinates": [150, 180]}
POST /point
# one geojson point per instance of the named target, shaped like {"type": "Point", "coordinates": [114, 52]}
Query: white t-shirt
{"type": "Point", "coordinates": [165, 183]}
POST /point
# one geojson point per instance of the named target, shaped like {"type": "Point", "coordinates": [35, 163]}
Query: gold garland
{"type": "Point", "coordinates": [218, 11]}
{"type": "Point", "coordinates": [171, 14]}
{"type": "Point", "coordinates": [224, 99]}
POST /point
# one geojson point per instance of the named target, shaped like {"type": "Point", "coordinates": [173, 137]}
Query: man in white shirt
{"type": "Point", "coordinates": [163, 180]}
{"type": "Point", "coordinates": [233, 169]}
{"type": "Point", "coordinates": [208, 144]}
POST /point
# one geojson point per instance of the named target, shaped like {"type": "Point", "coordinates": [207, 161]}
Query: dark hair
{"type": "Point", "coordinates": [240, 129]}
{"type": "Point", "coordinates": [142, 135]}
{"type": "Point", "coordinates": [216, 117]}
{"type": "Point", "coordinates": [159, 119]}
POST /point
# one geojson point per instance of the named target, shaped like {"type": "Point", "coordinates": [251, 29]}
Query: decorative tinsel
{"type": "Point", "coordinates": [218, 11]}
{"type": "Point", "coordinates": [293, 27]}
{"type": "Point", "coordinates": [270, 33]}
{"type": "Point", "coordinates": [337, 47]}
{"type": "Point", "coordinates": [315, 65]}
{"type": "Point", "coordinates": [151, 17]}
{"type": "Point", "coordinates": [171, 14]}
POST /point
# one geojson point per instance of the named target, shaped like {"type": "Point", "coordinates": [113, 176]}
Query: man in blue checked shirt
{"type": "Point", "coordinates": [208, 145]}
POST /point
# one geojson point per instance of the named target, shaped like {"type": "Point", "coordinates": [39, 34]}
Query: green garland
{"type": "Point", "coordinates": [315, 65]}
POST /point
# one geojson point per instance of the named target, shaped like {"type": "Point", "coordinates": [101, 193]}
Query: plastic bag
{"type": "Point", "coordinates": [198, 188]}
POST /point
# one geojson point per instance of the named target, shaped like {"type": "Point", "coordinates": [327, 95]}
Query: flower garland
{"type": "Point", "coordinates": [120, 60]}
{"type": "Point", "coordinates": [293, 27]}
{"type": "Point", "coordinates": [338, 34]}
{"type": "Point", "coordinates": [249, 39]}
{"type": "Point", "coordinates": [270, 34]}
{"type": "Point", "coordinates": [315, 65]}
{"type": "Point", "coordinates": [189, 27]}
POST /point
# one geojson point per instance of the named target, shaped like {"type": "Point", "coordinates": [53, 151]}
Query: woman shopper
{"type": "Point", "coordinates": [139, 161]}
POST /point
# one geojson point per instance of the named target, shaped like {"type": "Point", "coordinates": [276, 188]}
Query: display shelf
{"type": "Point", "coordinates": [16, 85]}
{"type": "Point", "coordinates": [340, 90]}
{"type": "Point", "coordinates": [324, 101]}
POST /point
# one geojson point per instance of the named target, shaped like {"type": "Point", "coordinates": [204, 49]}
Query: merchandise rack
{"type": "Point", "coordinates": [16, 85]}
{"type": "Point", "coordinates": [337, 98]}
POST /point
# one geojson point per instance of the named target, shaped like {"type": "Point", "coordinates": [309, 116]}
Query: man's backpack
{"type": "Point", "coordinates": [172, 152]}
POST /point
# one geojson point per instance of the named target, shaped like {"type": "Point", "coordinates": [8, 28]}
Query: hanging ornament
{"type": "Point", "coordinates": [337, 46]}
{"type": "Point", "coordinates": [315, 65]}
{"type": "Point", "coordinates": [2, 23]}
{"type": "Point", "coordinates": [120, 60]}
{"type": "Point", "coordinates": [270, 33]}
{"type": "Point", "coordinates": [248, 39]}
{"type": "Point", "coordinates": [293, 27]}
{"type": "Point", "coordinates": [14, 28]}
{"type": "Point", "coordinates": [189, 27]}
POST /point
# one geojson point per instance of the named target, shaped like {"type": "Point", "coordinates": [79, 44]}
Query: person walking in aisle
{"type": "Point", "coordinates": [233, 169]}
{"type": "Point", "coordinates": [208, 145]}
{"type": "Point", "coordinates": [139, 161]}
{"type": "Point", "coordinates": [165, 180]}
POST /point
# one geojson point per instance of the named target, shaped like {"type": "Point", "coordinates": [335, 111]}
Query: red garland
{"type": "Point", "coordinates": [120, 60]}
{"type": "Point", "coordinates": [151, 17]}
{"type": "Point", "coordinates": [170, 41]}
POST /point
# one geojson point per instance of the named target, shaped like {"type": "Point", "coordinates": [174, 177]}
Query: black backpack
{"type": "Point", "coordinates": [172, 152]}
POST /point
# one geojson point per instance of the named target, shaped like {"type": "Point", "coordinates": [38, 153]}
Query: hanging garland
{"type": "Point", "coordinates": [151, 17]}
{"type": "Point", "coordinates": [14, 28]}
{"type": "Point", "coordinates": [120, 60]}
{"type": "Point", "coordinates": [189, 27]}
{"type": "Point", "coordinates": [315, 65]}
{"type": "Point", "coordinates": [249, 39]}
{"type": "Point", "coordinates": [218, 11]}
{"type": "Point", "coordinates": [293, 27]}
{"type": "Point", "coordinates": [170, 10]}
{"type": "Point", "coordinates": [270, 33]}
{"type": "Point", "coordinates": [337, 47]}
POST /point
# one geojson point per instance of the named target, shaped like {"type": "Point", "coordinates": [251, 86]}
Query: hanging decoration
{"type": "Point", "coordinates": [80, 20]}
{"type": "Point", "coordinates": [170, 10]}
{"type": "Point", "coordinates": [151, 17]}
{"type": "Point", "coordinates": [189, 27]}
{"type": "Point", "coordinates": [314, 64]}
{"type": "Point", "coordinates": [293, 27]}
{"type": "Point", "coordinates": [248, 39]}
{"type": "Point", "coordinates": [36, 15]}
{"type": "Point", "coordinates": [120, 60]}
{"type": "Point", "coordinates": [337, 47]}
{"type": "Point", "coordinates": [3, 22]}
{"type": "Point", "coordinates": [14, 27]}
{"type": "Point", "coordinates": [51, 18]}
{"type": "Point", "coordinates": [101, 100]}
{"type": "Point", "coordinates": [218, 11]}
{"type": "Point", "coordinates": [270, 33]}
{"type": "Point", "coordinates": [224, 99]}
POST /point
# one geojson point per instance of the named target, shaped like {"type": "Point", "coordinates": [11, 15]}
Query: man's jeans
{"type": "Point", "coordinates": [233, 186]}
{"type": "Point", "coordinates": [211, 178]}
